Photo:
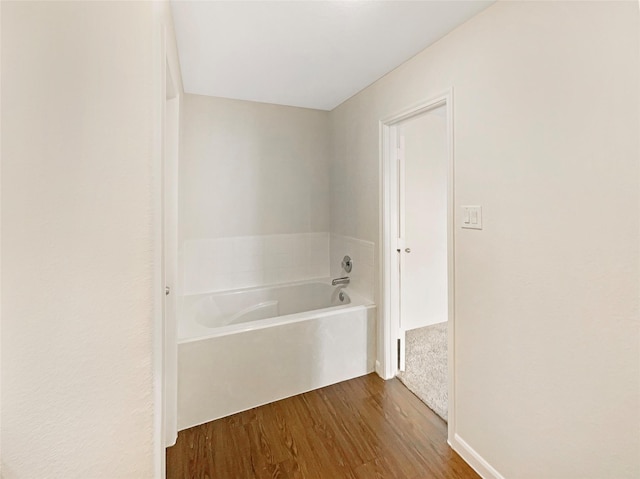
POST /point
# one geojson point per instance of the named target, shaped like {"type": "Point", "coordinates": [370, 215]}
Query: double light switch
{"type": "Point", "coordinates": [472, 217]}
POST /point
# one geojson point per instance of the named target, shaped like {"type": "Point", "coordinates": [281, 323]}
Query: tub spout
{"type": "Point", "coordinates": [343, 280]}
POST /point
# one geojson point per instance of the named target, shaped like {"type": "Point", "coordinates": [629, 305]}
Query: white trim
{"type": "Point", "coordinates": [165, 81]}
{"type": "Point", "coordinates": [166, 91]}
{"type": "Point", "coordinates": [158, 86]}
{"type": "Point", "coordinates": [1, 461]}
{"type": "Point", "coordinates": [451, 268]}
{"type": "Point", "coordinates": [170, 263]}
{"type": "Point", "coordinates": [475, 460]}
{"type": "Point", "coordinates": [385, 364]}
{"type": "Point", "coordinates": [387, 360]}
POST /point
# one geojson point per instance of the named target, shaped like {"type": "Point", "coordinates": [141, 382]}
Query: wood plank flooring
{"type": "Point", "coordinates": [359, 429]}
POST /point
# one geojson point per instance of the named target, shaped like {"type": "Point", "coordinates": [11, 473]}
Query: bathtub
{"type": "Point", "coordinates": [242, 349]}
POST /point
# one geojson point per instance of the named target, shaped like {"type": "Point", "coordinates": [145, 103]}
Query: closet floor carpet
{"type": "Point", "coordinates": [362, 428]}
{"type": "Point", "coordinates": [425, 372]}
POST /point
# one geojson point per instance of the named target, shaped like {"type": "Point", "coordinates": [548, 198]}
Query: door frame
{"type": "Point", "coordinates": [170, 274]}
{"type": "Point", "coordinates": [389, 260]}
{"type": "Point", "coordinates": [166, 94]}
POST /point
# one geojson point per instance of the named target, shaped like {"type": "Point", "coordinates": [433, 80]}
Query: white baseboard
{"type": "Point", "coordinates": [475, 460]}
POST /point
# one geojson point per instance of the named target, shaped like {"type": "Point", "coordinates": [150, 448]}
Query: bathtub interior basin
{"type": "Point", "coordinates": [217, 313]}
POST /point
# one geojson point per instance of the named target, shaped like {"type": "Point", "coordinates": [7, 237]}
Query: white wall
{"type": "Point", "coordinates": [546, 140]}
{"type": "Point", "coordinates": [252, 169]}
{"type": "Point", "coordinates": [254, 193]}
{"type": "Point", "coordinates": [77, 245]}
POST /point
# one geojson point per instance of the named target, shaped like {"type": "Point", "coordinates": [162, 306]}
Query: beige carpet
{"type": "Point", "coordinates": [425, 371]}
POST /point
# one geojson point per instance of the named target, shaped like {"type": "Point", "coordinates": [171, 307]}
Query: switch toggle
{"type": "Point", "coordinates": [472, 217]}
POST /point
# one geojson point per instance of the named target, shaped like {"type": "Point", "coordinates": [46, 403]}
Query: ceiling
{"type": "Point", "coordinates": [313, 54]}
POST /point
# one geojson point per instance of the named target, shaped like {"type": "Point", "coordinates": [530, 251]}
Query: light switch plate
{"type": "Point", "coordinates": [472, 217]}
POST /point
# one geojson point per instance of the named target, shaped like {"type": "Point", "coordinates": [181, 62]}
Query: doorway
{"type": "Point", "coordinates": [417, 284]}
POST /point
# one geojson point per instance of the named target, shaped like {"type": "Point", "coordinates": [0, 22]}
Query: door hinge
{"type": "Point", "coordinates": [398, 353]}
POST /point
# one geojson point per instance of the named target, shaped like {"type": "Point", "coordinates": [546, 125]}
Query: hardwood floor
{"type": "Point", "coordinates": [362, 428]}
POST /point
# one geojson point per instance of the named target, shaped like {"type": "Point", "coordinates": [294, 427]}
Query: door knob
{"type": "Point", "coordinates": [167, 290]}
{"type": "Point", "coordinates": [407, 250]}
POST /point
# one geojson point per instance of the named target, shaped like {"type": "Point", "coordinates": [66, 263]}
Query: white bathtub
{"type": "Point", "coordinates": [242, 349]}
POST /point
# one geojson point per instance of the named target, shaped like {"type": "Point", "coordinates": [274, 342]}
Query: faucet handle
{"type": "Point", "coordinates": [347, 264]}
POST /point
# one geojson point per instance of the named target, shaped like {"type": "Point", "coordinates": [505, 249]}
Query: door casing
{"type": "Point", "coordinates": [389, 260]}
{"type": "Point", "coordinates": [166, 108]}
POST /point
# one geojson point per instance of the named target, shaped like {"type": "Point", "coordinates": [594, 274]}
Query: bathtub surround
{"type": "Point", "coordinates": [547, 324]}
{"type": "Point", "coordinates": [425, 371]}
{"type": "Point", "coordinates": [221, 264]}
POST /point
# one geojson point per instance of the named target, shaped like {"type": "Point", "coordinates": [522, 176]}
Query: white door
{"type": "Point", "coordinates": [423, 221]}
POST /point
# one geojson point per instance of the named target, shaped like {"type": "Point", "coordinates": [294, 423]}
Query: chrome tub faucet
{"type": "Point", "coordinates": [337, 281]}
